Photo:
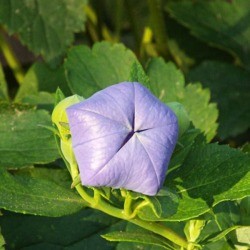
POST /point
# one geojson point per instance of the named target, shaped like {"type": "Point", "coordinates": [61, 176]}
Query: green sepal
{"type": "Point", "coordinates": [59, 115]}
{"type": "Point", "coordinates": [150, 208]}
{"type": "Point", "coordinates": [66, 147]}
{"type": "Point", "coordinates": [104, 192]}
{"type": "Point", "coordinates": [193, 229]}
{"type": "Point", "coordinates": [76, 181]}
{"type": "Point", "coordinates": [59, 96]}
{"type": "Point", "coordinates": [144, 200]}
{"type": "Point", "coordinates": [160, 207]}
{"type": "Point", "coordinates": [50, 128]}
{"type": "Point", "coordinates": [65, 125]}
{"type": "Point", "coordinates": [60, 119]}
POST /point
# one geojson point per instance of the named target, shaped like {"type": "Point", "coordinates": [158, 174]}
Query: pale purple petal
{"type": "Point", "coordinates": [123, 137]}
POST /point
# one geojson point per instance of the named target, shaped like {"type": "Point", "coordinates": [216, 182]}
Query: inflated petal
{"type": "Point", "coordinates": [123, 137]}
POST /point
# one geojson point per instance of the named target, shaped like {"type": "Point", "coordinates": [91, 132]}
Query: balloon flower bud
{"type": "Point", "coordinates": [123, 137]}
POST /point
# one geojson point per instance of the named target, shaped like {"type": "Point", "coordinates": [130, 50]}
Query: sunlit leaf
{"type": "Point", "coordinates": [91, 70]}
{"type": "Point", "coordinates": [23, 140]}
{"type": "Point", "coordinates": [46, 27]}
{"type": "Point", "coordinates": [230, 88]}
{"type": "Point", "coordinates": [167, 83]}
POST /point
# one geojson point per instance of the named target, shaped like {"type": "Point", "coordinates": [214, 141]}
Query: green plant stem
{"type": "Point", "coordinates": [155, 227]}
{"type": "Point", "coordinates": [118, 18]}
{"type": "Point", "coordinates": [136, 28]}
{"type": "Point", "coordinates": [91, 23]}
{"type": "Point", "coordinates": [11, 59]}
{"type": "Point", "coordinates": [162, 230]}
{"type": "Point", "coordinates": [93, 26]}
{"type": "Point", "coordinates": [158, 26]}
{"type": "Point", "coordinates": [127, 205]}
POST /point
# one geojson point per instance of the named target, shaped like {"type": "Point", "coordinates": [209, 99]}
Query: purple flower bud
{"type": "Point", "coordinates": [123, 137]}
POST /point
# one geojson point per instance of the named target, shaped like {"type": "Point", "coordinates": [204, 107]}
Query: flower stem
{"type": "Point", "coordinates": [135, 26]}
{"type": "Point", "coordinates": [155, 227]}
{"type": "Point", "coordinates": [92, 26]}
{"type": "Point", "coordinates": [127, 206]}
{"type": "Point", "coordinates": [11, 59]}
{"type": "Point", "coordinates": [158, 26]}
{"type": "Point", "coordinates": [162, 230]}
{"type": "Point", "coordinates": [118, 18]}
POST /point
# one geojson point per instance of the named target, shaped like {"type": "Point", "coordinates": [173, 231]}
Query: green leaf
{"type": "Point", "coordinates": [207, 177]}
{"type": "Point", "coordinates": [201, 111]}
{"type": "Point", "coordinates": [38, 85]}
{"type": "Point", "coordinates": [168, 84]}
{"type": "Point", "coordinates": [42, 78]}
{"type": "Point", "coordinates": [46, 27]}
{"type": "Point", "coordinates": [81, 230]}
{"type": "Point", "coordinates": [133, 229]}
{"type": "Point", "coordinates": [227, 214]}
{"type": "Point", "coordinates": [219, 245]}
{"type": "Point", "coordinates": [223, 24]}
{"type": "Point", "coordinates": [230, 88]}
{"type": "Point", "coordinates": [211, 228]}
{"type": "Point", "coordinates": [221, 220]}
{"type": "Point", "coordinates": [245, 211]}
{"type": "Point", "coordinates": [138, 237]}
{"type": "Point", "coordinates": [166, 80]}
{"type": "Point", "coordinates": [183, 147]}
{"type": "Point", "coordinates": [49, 173]}
{"type": "Point", "coordinates": [137, 74]}
{"type": "Point", "coordinates": [42, 100]}
{"type": "Point", "coordinates": [220, 235]}
{"type": "Point", "coordinates": [182, 116]}
{"type": "Point", "coordinates": [37, 196]}
{"type": "Point", "coordinates": [3, 86]}
{"type": "Point", "coordinates": [24, 141]}
{"type": "Point", "coordinates": [89, 70]}
{"type": "Point", "coordinates": [246, 147]}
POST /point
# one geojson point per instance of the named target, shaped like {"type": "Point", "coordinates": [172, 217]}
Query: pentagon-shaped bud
{"type": "Point", "coordinates": [123, 137]}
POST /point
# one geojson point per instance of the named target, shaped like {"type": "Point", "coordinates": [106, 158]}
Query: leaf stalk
{"type": "Point", "coordinates": [158, 26]}
{"type": "Point", "coordinates": [155, 227]}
